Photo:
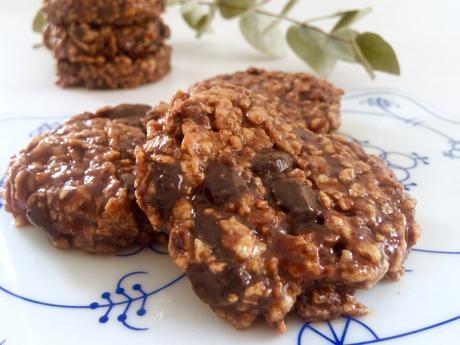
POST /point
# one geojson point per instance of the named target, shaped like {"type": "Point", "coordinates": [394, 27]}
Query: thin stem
{"type": "Point", "coordinates": [328, 16]}
{"type": "Point", "coordinates": [266, 13]}
{"type": "Point", "coordinates": [284, 12]}
{"type": "Point", "coordinates": [255, 9]}
{"type": "Point", "coordinates": [274, 15]}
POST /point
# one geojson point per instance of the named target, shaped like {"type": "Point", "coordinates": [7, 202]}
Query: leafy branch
{"type": "Point", "coordinates": [319, 48]}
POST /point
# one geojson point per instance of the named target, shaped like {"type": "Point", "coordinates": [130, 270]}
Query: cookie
{"type": "Point", "coordinates": [121, 72]}
{"type": "Point", "coordinates": [266, 218]}
{"type": "Point", "coordinates": [76, 183]}
{"type": "Point", "coordinates": [112, 12]}
{"type": "Point", "coordinates": [86, 43]}
{"type": "Point", "coordinates": [302, 98]}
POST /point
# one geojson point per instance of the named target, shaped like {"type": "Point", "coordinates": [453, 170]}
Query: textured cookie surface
{"type": "Point", "coordinates": [266, 218]}
{"type": "Point", "coordinates": [86, 43]}
{"type": "Point", "coordinates": [302, 98]}
{"type": "Point", "coordinates": [112, 12]}
{"type": "Point", "coordinates": [76, 183]}
{"type": "Point", "coordinates": [120, 72]}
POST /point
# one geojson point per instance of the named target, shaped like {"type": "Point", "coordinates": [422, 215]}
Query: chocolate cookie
{"type": "Point", "coordinates": [113, 12]}
{"type": "Point", "coordinates": [302, 98]}
{"type": "Point", "coordinates": [86, 43]}
{"type": "Point", "coordinates": [121, 72]}
{"type": "Point", "coordinates": [265, 218]}
{"type": "Point", "coordinates": [76, 183]}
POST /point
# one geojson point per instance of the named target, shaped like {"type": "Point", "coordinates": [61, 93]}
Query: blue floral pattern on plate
{"type": "Point", "coordinates": [120, 299]}
{"type": "Point", "coordinates": [127, 301]}
{"type": "Point", "coordinates": [384, 107]}
{"type": "Point", "coordinates": [332, 336]}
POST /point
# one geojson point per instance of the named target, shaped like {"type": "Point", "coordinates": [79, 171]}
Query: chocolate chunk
{"type": "Point", "coordinates": [296, 198]}
{"type": "Point", "coordinates": [207, 227]}
{"type": "Point", "coordinates": [223, 183]}
{"type": "Point", "coordinates": [215, 288]}
{"type": "Point", "coordinates": [125, 111]}
{"type": "Point", "coordinates": [271, 162]}
{"type": "Point", "coordinates": [305, 95]}
{"type": "Point", "coordinates": [304, 134]}
{"type": "Point", "coordinates": [168, 181]}
{"type": "Point", "coordinates": [40, 219]}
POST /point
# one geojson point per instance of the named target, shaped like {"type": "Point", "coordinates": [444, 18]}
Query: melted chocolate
{"type": "Point", "coordinates": [295, 198]}
{"type": "Point", "coordinates": [168, 180]}
{"type": "Point", "coordinates": [215, 288]}
{"type": "Point", "coordinates": [223, 183]}
{"type": "Point", "coordinates": [271, 162]}
{"type": "Point", "coordinates": [131, 114]}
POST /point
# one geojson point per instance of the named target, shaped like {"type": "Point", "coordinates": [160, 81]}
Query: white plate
{"type": "Point", "coordinates": [54, 297]}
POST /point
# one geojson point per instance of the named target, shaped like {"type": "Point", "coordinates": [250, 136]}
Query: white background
{"type": "Point", "coordinates": [425, 34]}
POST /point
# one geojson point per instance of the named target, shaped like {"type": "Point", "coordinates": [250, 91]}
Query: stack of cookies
{"type": "Point", "coordinates": [107, 44]}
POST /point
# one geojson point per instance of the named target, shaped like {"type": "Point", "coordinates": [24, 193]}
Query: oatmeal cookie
{"type": "Point", "coordinates": [121, 72]}
{"type": "Point", "coordinates": [113, 12]}
{"type": "Point", "coordinates": [266, 218]}
{"type": "Point", "coordinates": [302, 98]}
{"type": "Point", "coordinates": [86, 43]}
{"type": "Point", "coordinates": [76, 183]}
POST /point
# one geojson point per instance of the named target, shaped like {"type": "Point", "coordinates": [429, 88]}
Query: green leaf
{"type": "Point", "coordinates": [310, 45]}
{"type": "Point", "coordinates": [193, 14]}
{"type": "Point", "coordinates": [361, 59]}
{"type": "Point", "coordinates": [198, 17]}
{"type": "Point", "coordinates": [378, 53]}
{"type": "Point", "coordinates": [233, 8]}
{"type": "Point", "coordinates": [340, 45]}
{"type": "Point", "coordinates": [39, 22]}
{"type": "Point", "coordinates": [270, 42]}
{"type": "Point", "coordinates": [349, 17]}
{"type": "Point", "coordinates": [288, 7]}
